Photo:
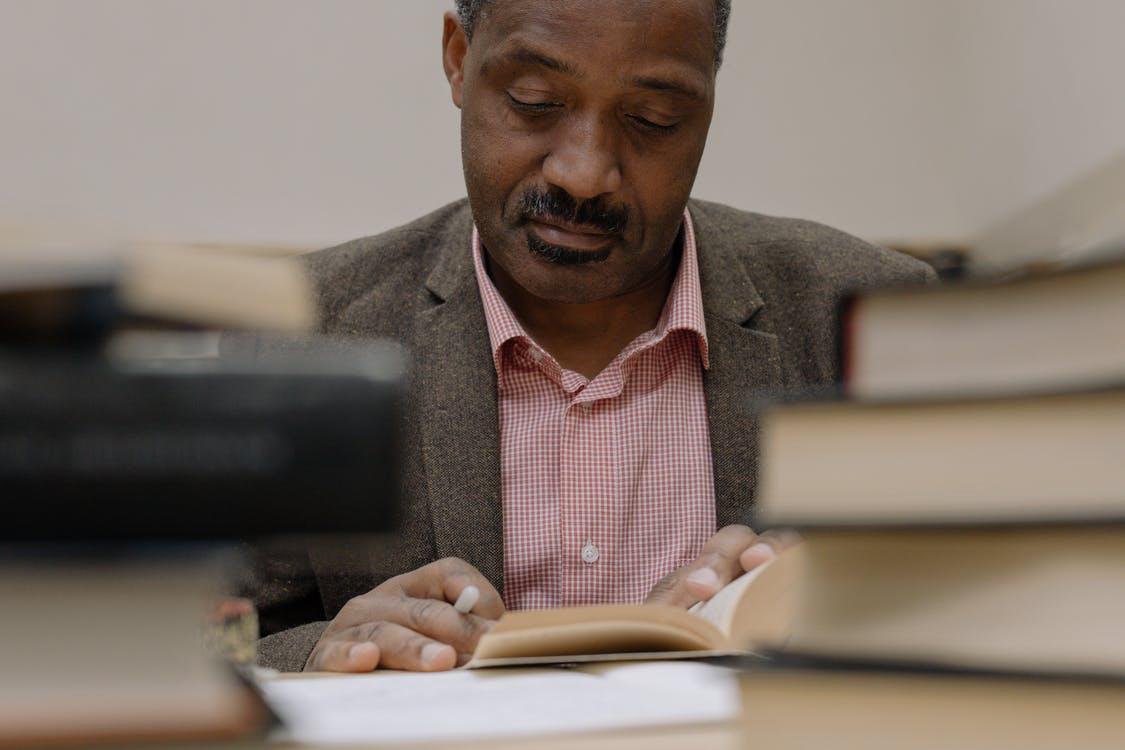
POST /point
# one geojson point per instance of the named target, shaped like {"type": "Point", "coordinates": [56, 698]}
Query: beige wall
{"type": "Point", "coordinates": [1043, 166]}
{"type": "Point", "coordinates": [311, 122]}
{"type": "Point", "coordinates": [839, 110]}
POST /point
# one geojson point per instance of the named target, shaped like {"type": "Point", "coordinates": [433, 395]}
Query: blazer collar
{"type": "Point", "coordinates": [745, 363]}
{"type": "Point", "coordinates": [460, 425]}
{"type": "Point", "coordinates": [728, 291]}
{"type": "Point", "coordinates": [453, 271]}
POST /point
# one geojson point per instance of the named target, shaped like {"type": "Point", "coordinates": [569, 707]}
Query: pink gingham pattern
{"type": "Point", "coordinates": [606, 483]}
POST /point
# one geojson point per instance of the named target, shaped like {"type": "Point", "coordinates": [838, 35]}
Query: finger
{"type": "Point", "coordinates": [453, 576]}
{"type": "Point", "coordinates": [341, 655]}
{"type": "Point", "coordinates": [717, 565]}
{"type": "Point", "coordinates": [757, 555]}
{"type": "Point", "coordinates": [433, 618]}
{"type": "Point", "coordinates": [719, 562]}
{"type": "Point", "coordinates": [489, 604]}
{"type": "Point", "coordinates": [668, 590]}
{"type": "Point", "coordinates": [440, 621]}
{"type": "Point", "coordinates": [768, 546]}
{"type": "Point", "coordinates": [402, 648]}
{"type": "Point", "coordinates": [676, 590]}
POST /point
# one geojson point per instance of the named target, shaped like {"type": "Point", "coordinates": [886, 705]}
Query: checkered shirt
{"type": "Point", "coordinates": [606, 483]}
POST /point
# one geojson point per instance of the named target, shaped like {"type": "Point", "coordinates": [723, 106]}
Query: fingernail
{"type": "Point", "coordinates": [432, 652]}
{"type": "Point", "coordinates": [357, 651]}
{"type": "Point", "coordinates": [705, 577]}
{"type": "Point", "coordinates": [760, 552]}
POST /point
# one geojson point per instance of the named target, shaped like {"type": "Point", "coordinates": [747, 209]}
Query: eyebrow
{"type": "Point", "coordinates": [529, 56]}
{"type": "Point", "coordinates": [669, 85]}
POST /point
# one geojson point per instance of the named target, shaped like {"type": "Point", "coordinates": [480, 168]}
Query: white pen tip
{"type": "Point", "coordinates": [468, 599]}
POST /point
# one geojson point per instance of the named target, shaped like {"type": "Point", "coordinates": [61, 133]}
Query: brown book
{"type": "Point", "coordinates": [1043, 331]}
{"type": "Point", "coordinates": [113, 652]}
{"type": "Point", "coordinates": [817, 706]}
{"type": "Point", "coordinates": [1011, 460]}
{"type": "Point", "coordinates": [752, 612]}
{"type": "Point", "coordinates": [1039, 598]}
{"type": "Point", "coordinates": [64, 287]}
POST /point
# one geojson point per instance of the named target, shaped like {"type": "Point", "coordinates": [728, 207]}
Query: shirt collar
{"type": "Point", "coordinates": [683, 309]}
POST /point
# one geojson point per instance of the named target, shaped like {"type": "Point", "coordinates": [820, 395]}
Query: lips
{"type": "Point", "coordinates": [562, 235]}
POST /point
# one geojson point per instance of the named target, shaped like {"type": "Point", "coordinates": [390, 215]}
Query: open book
{"type": "Point", "coordinates": [752, 612]}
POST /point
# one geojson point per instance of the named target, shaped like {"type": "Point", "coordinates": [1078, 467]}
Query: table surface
{"type": "Point", "coordinates": [713, 736]}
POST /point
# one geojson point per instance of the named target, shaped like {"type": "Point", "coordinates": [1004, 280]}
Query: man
{"type": "Point", "coordinates": [584, 340]}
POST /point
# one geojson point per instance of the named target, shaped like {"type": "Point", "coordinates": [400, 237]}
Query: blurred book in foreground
{"type": "Point", "coordinates": [1043, 331]}
{"type": "Point", "coordinates": [964, 522]}
{"type": "Point", "coordinates": [98, 652]}
{"type": "Point", "coordinates": [1020, 459]}
{"type": "Point", "coordinates": [942, 537]}
{"type": "Point", "coordinates": [95, 449]}
{"type": "Point", "coordinates": [1014, 599]}
{"type": "Point", "coordinates": [121, 421]}
{"type": "Point", "coordinates": [811, 704]}
{"type": "Point", "coordinates": [969, 533]}
{"type": "Point", "coordinates": [129, 449]}
{"type": "Point", "coordinates": [54, 290]}
{"type": "Point", "coordinates": [118, 477]}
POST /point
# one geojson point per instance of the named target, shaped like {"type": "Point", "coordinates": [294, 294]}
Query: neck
{"type": "Point", "coordinates": [585, 337]}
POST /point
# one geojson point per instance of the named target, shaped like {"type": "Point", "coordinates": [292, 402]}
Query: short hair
{"type": "Point", "coordinates": [469, 12]}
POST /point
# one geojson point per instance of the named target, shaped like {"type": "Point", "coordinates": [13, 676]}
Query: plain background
{"type": "Point", "coordinates": [308, 123]}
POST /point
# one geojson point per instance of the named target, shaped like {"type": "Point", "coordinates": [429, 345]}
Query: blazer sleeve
{"type": "Point", "coordinates": [288, 650]}
{"type": "Point", "coordinates": [283, 587]}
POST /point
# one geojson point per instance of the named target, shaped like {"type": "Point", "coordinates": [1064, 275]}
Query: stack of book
{"type": "Point", "coordinates": [964, 562]}
{"type": "Point", "coordinates": [130, 455]}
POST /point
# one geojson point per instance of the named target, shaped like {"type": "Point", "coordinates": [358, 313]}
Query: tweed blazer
{"type": "Point", "coordinates": [771, 289]}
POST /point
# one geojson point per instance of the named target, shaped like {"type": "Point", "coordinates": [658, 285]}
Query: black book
{"type": "Point", "coordinates": [97, 450]}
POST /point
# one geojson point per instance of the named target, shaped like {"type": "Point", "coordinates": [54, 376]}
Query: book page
{"type": "Point", "coordinates": [560, 635]}
{"type": "Point", "coordinates": [396, 707]}
{"type": "Point", "coordinates": [756, 610]}
{"type": "Point", "coordinates": [719, 610]}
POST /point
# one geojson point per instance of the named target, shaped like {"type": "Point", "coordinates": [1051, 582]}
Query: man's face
{"type": "Point", "coordinates": [583, 123]}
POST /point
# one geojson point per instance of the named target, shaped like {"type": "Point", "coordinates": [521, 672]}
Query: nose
{"type": "Point", "coordinates": [584, 160]}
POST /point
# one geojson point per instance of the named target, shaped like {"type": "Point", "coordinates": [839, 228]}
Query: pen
{"type": "Point", "coordinates": [467, 600]}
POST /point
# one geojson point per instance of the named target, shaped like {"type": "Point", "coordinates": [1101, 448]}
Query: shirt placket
{"type": "Point", "coordinates": [589, 498]}
{"type": "Point", "coordinates": [602, 520]}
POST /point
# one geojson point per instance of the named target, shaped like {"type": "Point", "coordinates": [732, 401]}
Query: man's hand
{"type": "Point", "coordinates": [409, 623]}
{"type": "Point", "coordinates": [727, 555]}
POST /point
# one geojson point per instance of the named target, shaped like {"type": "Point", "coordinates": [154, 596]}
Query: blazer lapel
{"type": "Point", "coordinates": [459, 423]}
{"type": "Point", "coordinates": [744, 363]}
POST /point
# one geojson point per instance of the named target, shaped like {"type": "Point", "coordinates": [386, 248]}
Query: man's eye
{"type": "Point", "coordinates": [531, 106]}
{"type": "Point", "coordinates": [653, 127]}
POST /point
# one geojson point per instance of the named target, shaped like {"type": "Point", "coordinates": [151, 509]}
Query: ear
{"type": "Point", "coordinates": [454, 47]}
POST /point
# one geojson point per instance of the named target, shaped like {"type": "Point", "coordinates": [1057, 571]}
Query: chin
{"type": "Point", "coordinates": [571, 285]}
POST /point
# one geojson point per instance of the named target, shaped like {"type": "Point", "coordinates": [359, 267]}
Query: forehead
{"type": "Point", "coordinates": [604, 37]}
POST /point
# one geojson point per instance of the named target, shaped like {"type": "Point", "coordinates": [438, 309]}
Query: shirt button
{"type": "Point", "coordinates": [590, 553]}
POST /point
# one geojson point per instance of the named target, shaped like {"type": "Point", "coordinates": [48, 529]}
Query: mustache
{"type": "Point", "coordinates": [557, 204]}
{"type": "Point", "coordinates": [564, 256]}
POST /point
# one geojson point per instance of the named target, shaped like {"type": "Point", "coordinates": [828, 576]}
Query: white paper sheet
{"type": "Point", "coordinates": [494, 704]}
